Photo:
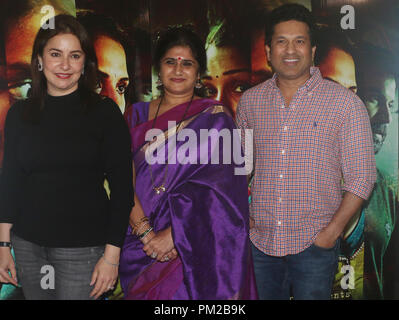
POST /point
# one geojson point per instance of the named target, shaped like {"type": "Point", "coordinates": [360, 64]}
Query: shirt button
{"type": "Point", "coordinates": [281, 176]}
{"type": "Point", "coordinates": [285, 128]}
{"type": "Point", "coordinates": [279, 223]}
{"type": "Point", "coordinates": [283, 106]}
{"type": "Point", "coordinates": [279, 199]}
{"type": "Point", "coordinates": [282, 151]}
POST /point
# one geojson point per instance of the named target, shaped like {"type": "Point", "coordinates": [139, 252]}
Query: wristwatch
{"type": "Point", "coordinates": [5, 244]}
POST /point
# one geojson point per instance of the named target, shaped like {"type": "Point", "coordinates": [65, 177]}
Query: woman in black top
{"type": "Point", "coordinates": [60, 145]}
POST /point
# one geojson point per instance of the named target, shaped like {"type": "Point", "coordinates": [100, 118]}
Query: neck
{"type": "Point", "coordinates": [292, 84]}
{"type": "Point", "coordinates": [170, 99]}
{"type": "Point", "coordinates": [289, 87]}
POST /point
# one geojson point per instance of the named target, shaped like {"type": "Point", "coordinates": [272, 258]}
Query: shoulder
{"type": "Point", "coordinates": [137, 113]}
{"type": "Point", "coordinates": [218, 113]}
{"type": "Point", "coordinates": [257, 93]}
{"type": "Point", "coordinates": [339, 91]}
{"type": "Point", "coordinates": [216, 107]}
{"type": "Point", "coordinates": [16, 110]}
{"type": "Point", "coordinates": [107, 105]}
{"type": "Point", "coordinates": [341, 97]}
{"type": "Point", "coordinates": [260, 88]}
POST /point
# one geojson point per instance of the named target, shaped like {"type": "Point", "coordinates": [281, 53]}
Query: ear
{"type": "Point", "coordinates": [313, 52]}
{"type": "Point", "coordinates": [268, 49]}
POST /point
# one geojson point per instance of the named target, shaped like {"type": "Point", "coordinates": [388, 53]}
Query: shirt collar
{"type": "Point", "coordinates": [310, 84]}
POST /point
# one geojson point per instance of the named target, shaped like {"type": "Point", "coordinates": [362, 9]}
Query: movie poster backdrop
{"type": "Point", "coordinates": [357, 46]}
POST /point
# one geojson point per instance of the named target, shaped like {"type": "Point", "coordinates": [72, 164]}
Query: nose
{"type": "Point", "coordinates": [179, 68]}
{"type": "Point", "coordinates": [290, 48]}
{"type": "Point", "coordinates": [65, 64]}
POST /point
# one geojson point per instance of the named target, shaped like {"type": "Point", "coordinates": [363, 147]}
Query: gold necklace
{"type": "Point", "coordinates": [162, 187]}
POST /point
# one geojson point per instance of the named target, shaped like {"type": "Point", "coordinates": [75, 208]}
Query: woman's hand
{"type": "Point", "coordinates": [159, 245]}
{"type": "Point", "coordinates": [105, 272]}
{"type": "Point", "coordinates": [7, 265]}
{"type": "Point", "coordinates": [251, 223]}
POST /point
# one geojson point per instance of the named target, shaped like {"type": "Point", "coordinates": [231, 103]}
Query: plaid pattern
{"type": "Point", "coordinates": [302, 154]}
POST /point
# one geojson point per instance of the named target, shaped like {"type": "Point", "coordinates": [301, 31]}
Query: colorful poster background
{"type": "Point", "coordinates": [358, 45]}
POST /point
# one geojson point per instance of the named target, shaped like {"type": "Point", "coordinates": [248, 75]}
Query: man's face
{"type": "Point", "coordinates": [290, 53]}
{"type": "Point", "coordinates": [113, 69]}
{"type": "Point", "coordinates": [228, 76]}
{"type": "Point", "coordinates": [338, 66]}
{"type": "Point", "coordinates": [379, 96]}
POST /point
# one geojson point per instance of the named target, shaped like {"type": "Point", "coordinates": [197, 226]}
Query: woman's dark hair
{"type": "Point", "coordinates": [287, 12]}
{"type": "Point", "coordinates": [181, 36]}
{"type": "Point", "coordinates": [63, 24]}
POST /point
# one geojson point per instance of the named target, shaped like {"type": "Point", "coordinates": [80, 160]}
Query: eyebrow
{"type": "Point", "coordinates": [55, 49]}
{"type": "Point", "coordinates": [229, 72]}
{"type": "Point", "coordinates": [106, 75]}
{"type": "Point", "coordinates": [284, 37]}
{"type": "Point", "coordinates": [177, 59]}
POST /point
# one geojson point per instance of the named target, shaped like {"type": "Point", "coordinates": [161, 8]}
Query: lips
{"type": "Point", "coordinates": [63, 75]}
{"type": "Point", "coordinates": [177, 79]}
{"type": "Point", "coordinates": [290, 60]}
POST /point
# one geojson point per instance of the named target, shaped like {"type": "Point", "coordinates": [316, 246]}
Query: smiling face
{"type": "Point", "coordinates": [63, 62]}
{"type": "Point", "coordinates": [111, 59]}
{"type": "Point", "coordinates": [179, 71]}
{"type": "Point", "coordinates": [290, 53]}
{"type": "Point", "coordinates": [228, 76]}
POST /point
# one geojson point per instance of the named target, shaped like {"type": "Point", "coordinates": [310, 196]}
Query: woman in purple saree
{"type": "Point", "coordinates": [188, 234]}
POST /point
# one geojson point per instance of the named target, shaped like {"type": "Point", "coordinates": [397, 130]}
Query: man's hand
{"type": "Point", "coordinates": [327, 237]}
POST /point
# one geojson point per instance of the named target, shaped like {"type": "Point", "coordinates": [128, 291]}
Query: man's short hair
{"type": "Point", "coordinates": [287, 12]}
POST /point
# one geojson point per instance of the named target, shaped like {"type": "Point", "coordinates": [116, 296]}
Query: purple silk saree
{"type": "Point", "coordinates": [205, 204]}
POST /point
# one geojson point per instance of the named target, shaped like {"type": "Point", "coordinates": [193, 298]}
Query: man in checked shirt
{"type": "Point", "coordinates": [314, 163]}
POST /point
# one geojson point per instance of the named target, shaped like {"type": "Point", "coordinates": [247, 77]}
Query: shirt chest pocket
{"type": "Point", "coordinates": [314, 137]}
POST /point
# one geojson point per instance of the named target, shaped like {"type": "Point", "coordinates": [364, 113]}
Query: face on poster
{"type": "Point", "coordinates": [232, 69]}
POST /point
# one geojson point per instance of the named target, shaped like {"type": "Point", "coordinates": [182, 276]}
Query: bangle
{"type": "Point", "coordinates": [141, 228]}
{"type": "Point", "coordinates": [137, 226]}
{"type": "Point", "coordinates": [145, 233]}
{"type": "Point", "coordinates": [5, 244]}
{"type": "Point", "coordinates": [110, 263]}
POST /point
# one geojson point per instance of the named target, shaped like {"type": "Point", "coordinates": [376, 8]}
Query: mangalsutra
{"type": "Point", "coordinates": [162, 187]}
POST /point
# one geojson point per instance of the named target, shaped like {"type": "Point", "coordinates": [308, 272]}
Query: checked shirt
{"type": "Point", "coordinates": [306, 154]}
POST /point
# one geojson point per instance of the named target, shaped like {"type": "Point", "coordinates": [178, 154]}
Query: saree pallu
{"type": "Point", "coordinates": [206, 206]}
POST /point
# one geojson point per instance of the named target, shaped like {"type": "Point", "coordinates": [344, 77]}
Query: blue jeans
{"type": "Point", "coordinates": [54, 273]}
{"type": "Point", "coordinates": [308, 275]}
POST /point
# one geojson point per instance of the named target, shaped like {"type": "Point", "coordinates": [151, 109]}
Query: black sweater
{"type": "Point", "coordinates": [52, 182]}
